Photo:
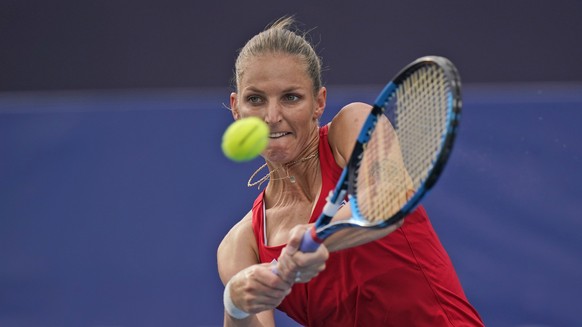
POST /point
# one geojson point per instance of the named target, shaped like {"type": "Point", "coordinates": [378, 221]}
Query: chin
{"type": "Point", "coordinates": [276, 155]}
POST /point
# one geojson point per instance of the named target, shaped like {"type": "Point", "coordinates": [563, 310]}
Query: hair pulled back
{"type": "Point", "coordinates": [280, 38]}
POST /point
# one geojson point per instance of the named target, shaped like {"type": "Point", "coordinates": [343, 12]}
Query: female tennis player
{"type": "Point", "coordinates": [397, 276]}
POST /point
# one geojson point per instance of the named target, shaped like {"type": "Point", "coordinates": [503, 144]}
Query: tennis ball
{"type": "Point", "coordinates": [245, 139]}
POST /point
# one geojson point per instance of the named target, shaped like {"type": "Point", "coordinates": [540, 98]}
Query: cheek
{"type": "Point", "coordinates": [306, 125]}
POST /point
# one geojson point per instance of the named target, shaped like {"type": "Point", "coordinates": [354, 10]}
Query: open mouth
{"type": "Point", "coordinates": [278, 135]}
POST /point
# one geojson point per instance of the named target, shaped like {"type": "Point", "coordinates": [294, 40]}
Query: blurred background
{"type": "Point", "coordinates": [114, 194]}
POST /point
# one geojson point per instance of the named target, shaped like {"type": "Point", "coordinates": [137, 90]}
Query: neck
{"type": "Point", "coordinates": [295, 184]}
{"type": "Point", "coordinates": [290, 172]}
{"type": "Point", "coordinates": [294, 170]}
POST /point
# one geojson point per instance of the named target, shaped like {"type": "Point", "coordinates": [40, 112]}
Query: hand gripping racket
{"type": "Point", "coordinates": [400, 151]}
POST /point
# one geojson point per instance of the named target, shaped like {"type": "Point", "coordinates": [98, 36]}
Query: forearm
{"type": "Point", "coordinates": [235, 317]}
{"type": "Point", "coordinates": [251, 295]}
{"type": "Point", "coordinates": [352, 237]}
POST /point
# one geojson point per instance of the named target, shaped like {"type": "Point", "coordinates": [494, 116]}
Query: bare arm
{"type": "Point", "coordinates": [253, 286]}
{"type": "Point", "coordinates": [343, 132]}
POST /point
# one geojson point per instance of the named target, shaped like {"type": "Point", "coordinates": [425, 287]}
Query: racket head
{"type": "Point", "coordinates": [403, 146]}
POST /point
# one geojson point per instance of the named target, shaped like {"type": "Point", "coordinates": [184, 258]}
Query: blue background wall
{"type": "Point", "coordinates": [113, 205]}
{"type": "Point", "coordinates": [114, 194]}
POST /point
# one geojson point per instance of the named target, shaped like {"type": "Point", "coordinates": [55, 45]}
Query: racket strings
{"type": "Point", "coordinates": [401, 153]}
{"type": "Point", "coordinates": [382, 181]}
{"type": "Point", "coordinates": [420, 118]}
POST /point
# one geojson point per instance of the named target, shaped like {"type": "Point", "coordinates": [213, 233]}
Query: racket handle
{"type": "Point", "coordinates": [310, 242]}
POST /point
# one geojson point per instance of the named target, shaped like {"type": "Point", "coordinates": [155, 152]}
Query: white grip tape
{"type": "Point", "coordinates": [229, 306]}
{"type": "Point", "coordinates": [331, 208]}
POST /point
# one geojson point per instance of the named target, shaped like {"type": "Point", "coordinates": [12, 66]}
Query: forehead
{"type": "Point", "coordinates": [270, 67]}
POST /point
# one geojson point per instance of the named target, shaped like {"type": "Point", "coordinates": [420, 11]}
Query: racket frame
{"type": "Point", "coordinates": [345, 186]}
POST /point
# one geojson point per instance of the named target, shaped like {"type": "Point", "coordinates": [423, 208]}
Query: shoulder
{"type": "Point", "coordinates": [344, 129]}
{"type": "Point", "coordinates": [238, 249]}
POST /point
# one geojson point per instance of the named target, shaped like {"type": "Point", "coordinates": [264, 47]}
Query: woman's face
{"type": "Point", "coordinates": [277, 88]}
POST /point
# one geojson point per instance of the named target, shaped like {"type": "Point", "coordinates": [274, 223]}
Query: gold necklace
{"type": "Point", "coordinates": [286, 166]}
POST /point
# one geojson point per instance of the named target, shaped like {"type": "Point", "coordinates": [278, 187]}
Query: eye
{"type": "Point", "coordinates": [254, 99]}
{"type": "Point", "coordinates": [291, 97]}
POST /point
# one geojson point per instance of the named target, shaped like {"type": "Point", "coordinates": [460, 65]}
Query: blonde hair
{"type": "Point", "coordinates": [279, 38]}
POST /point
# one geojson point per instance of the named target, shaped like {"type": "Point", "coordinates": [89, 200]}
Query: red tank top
{"type": "Point", "coordinates": [403, 279]}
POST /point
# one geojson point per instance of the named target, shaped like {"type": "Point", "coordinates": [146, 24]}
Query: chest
{"type": "Point", "coordinates": [280, 220]}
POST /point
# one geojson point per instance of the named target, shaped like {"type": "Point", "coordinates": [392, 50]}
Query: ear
{"type": "Point", "coordinates": [234, 105]}
{"type": "Point", "coordinates": [320, 101]}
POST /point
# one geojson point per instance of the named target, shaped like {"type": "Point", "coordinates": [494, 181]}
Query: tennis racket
{"type": "Point", "coordinates": [400, 151]}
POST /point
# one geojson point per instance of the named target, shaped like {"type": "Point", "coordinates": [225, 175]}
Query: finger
{"type": "Point", "coordinates": [307, 275]}
{"type": "Point", "coordinates": [295, 237]}
{"type": "Point", "coordinates": [259, 297]}
{"type": "Point", "coordinates": [286, 265]}
{"type": "Point", "coordinates": [267, 278]}
{"type": "Point", "coordinates": [309, 259]}
{"type": "Point", "coordinates": [264, 304]}
{"type": "Point", "coordinates": [286, 269]}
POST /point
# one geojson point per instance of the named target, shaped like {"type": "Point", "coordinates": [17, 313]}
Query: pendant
{"type": "Point", "coordinates": [292, 179]}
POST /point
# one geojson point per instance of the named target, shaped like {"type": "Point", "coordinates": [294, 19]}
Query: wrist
{"type": "Point", "coordinates": [229, 306]}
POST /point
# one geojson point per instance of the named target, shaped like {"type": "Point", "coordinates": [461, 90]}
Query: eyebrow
{"type": "Point", "coordinates": [252, 89]}
{"type": "Point", "coordinates": [287, 90]}
{"type": "Point", "coordinates": [293, 89]}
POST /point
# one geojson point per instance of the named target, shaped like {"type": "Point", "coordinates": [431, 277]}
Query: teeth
{"type": "Point", "coordinates": [275, 135]}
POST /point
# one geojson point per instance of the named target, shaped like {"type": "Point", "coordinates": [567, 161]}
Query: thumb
{"type": "Point", "coordinates": [295, 238]}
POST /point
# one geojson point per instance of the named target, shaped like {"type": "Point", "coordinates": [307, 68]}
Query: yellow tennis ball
{"type": "Point", "coordinates": [245, 139]}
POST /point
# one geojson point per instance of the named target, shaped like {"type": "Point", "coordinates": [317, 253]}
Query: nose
{"type": "Point", "coordinates": [273, 114]}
